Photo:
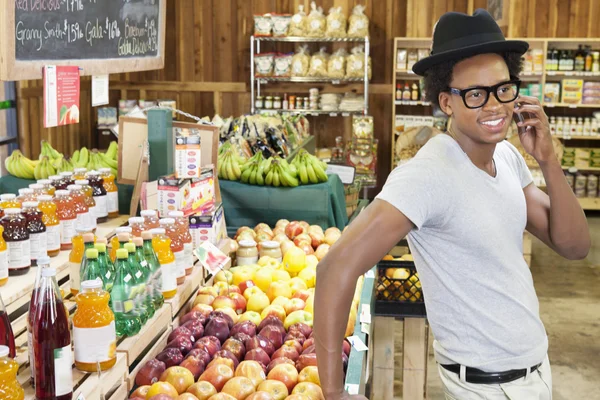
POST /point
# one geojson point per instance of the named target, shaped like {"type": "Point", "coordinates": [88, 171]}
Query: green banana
{"type": "Point", "coordinates": [230, 174]}
{"type": "Point", "coordinates": [107, 161]}
{"type": "Point", "coordinates": [253, 175]}
{"type": "Point", "coordinates": [312, 176]}
{"type": "Point", "coordinates": [236, 169]}
{"type": "Point", "coordinates": [302, 174]}
{"type": "Point", "coordinates": [290, 180]}
{"type": "Point", "coordinates": [246, 175]}
{"type": "Point", "coordinates": [84, 157]}
{"type": "Point", "coordinates": [276, 179]}
{"type": "Point", "coordinates": [269, 178]}
{"type": "Point", "coordinates": [49, 168]}
{"type": "Point", "coordinates": [112, 151]}
{"type": "Point", "coordinates": [321, 175]}
{"type": "Point", "coordinates": [75, 157]}
{"type": "Point", "coordinates": [293, 170]}
{"type": "Point", "coordinates": [260, 178]}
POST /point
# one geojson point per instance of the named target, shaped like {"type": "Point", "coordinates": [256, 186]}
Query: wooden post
{"type": "Point", "coordinates": [382, 387]}
{"type": "Point", "coordinates": [415, 359]}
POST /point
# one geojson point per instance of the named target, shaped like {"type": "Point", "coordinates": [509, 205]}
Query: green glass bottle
{"type": "Point", "coordinates": [88, 243]}
{"type": "Point", "coordinates": [92, 269]}
{"type": "Point", "coordinates": [140, 283]}
{"type": "Point", "coordinates": [106, 266]}
{"type": "Point", "coordinates": [154, 268]}
{"type": "Point", "coordinates": [128, 322]}
{"type": "Point", "coordinates": [148, 288]}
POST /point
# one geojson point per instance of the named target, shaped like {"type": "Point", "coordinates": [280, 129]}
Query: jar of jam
{"type": "Point", "coordinates": [277, 102]}
{"type": "Point", "coordinates": [67, 178]}
{"type": "Point", "coordinates": [16, 237]}
{"type": "Point", "coordinates": [247, 253]}
{"type": "Point", "coordinates": [25, 195]}
{"type": "Point", "coordinates": [272, 249]}
{"type": "Point", "coordinates": [65, 210]}
{"type": "Point", "coordinates": [9, 200]}
{"type": "Point", "coordinates": [99, 194]}
{"type": "Point", "coordinates": [259, 103]}
{"type": "Point", "coordinates": [57, 182]}
{"type": "Point", "coordinates": [36, 230]}
{"type": "Point", "coordinates": [38, 190]}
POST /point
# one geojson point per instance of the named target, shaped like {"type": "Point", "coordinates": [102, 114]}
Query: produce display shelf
{"type": "Point", "coordinates": [412, 103]}
{"type": "Point", "coordinates": [308, 144]}
{"type": "Point", "coordinates": [578, 137]}
{"type": "Point", "coordinates": [567, 105]}
{"type": "Point", "coordinates": [596, 169]}
{"type": "Point", "coordinates": [567, 74]}
{"type": "Point", "coordinates": [307, 79]}
{"type": "Point", "coordinates": [185, 291]}
{"type": "Point", "coordinates": [302, 39]}
{"type": "Point", "coordinates": [342, 113]}
{"type": "Point", "coordinates": [589, 203]}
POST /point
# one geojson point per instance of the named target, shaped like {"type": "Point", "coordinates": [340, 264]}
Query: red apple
{"type": "Point", "coordinates": [203, 309]}
{"type": "Point", "coordinates": [140, 392]}
{"type": "Point", "coordinates": [195, 327]}
{"type": "Point", "coordinates": [235, 347]}
{"type": "Point", "coordinates": [277, 389]}
{"type": "Point", "coordinates": [223, 302]}
{"type": "Point", "coordinates": [245, 285]}
{"type": "Point", "coordinates": [181, 331]}
{"type": "Point", "coordinates": [346, 347]}
{"type": "Point", "coordinates": [221, 314]}
{"type": "Point", "coordinates": [309, 350]}
{"type": "Point", "coordinates": [183, 344]}
{"type": "Point", "coordinates": [170, 356]}
{"type": "Point", "coordinates": [294, 305]}
{"type": "Point", "coordinates": [221, 360]}
{"type": "Point", "coordinates": [302, 238]}
{"type": "Point", "coordinates": [281, 360]}
{"type": "Point", "coordinates": [247, 327]}
{"type": "Point", "coordinates": [302, 294]}
{"type": "Point", "coordinates": [193, 315]}
{"type": "Point", "coordinates": [181, 378]}
{"type": "Point", "coordinates": [217, 375]}
{"type": "Point", "coordinates": [274, 333]}
{"type": "Point", "coordinates": [287, 352]}
{"type": "Point", "coordinates": [195, 365]}
{"type": "Point", "coordinates": [150, 373]}
{"type": "Point", "coordinates": [305, 225]}
{"type": "Point", "coordinates": [208, 290]}
{"type": "Point", "coordinates": [270, 320]}
{"type": "Point", "coordinates": [252, 370]}
{"type": "Point", "coordinates": [258, 354]}
{"type": "Point", "coordinates": [306, 360]}
{"type": "Point", "coordinates": [306, 247]}
{"type": "Point", "coordinates": [228, 354]}
{"type": "Point", "coordinates": [345, 362]}
{"type": "Point", "coordinates": [285, 373]}
{"type": "Point", "coordinates": [305, 329]}
{"type": "Point", "coordinates": [294, 229]}
{"type": "Point", "coordinates": [240, 302]}
{"type": "Point", "coordinates": [309, 342]}
{"type": "Point", "coordinates": [242, 337]}
{"type": "Point", "coordinates": [295, 335]}
{"type": "Point", "coordinates": [204, 298]}
{"type": "Point", "coordinates": [201, 354]}
{"type": "Point", "coordinates": [239, 387]}
{"type": "Point", "coordinates": [295, 343]}
{"type": "Point", "coordinates": [210, 344]}
{"type": "Point", "coordinates": [317, 239]}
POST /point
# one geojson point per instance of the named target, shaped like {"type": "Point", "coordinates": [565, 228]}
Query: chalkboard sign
{"type": "Point", "coordinates": [100, 36]}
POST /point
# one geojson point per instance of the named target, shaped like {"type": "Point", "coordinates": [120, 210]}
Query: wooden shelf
{"type": "Point", "coordinates": [412, 103]}
{"type": "Point", "coordinates": [307, 79]}
{"type": "Point", "coordinates": [578, 137]}
{"type": "Point", "coordinates": [310, 112]}
{"type": "Point", "coordinates": [566, 105]}
{"type": "Point", "coordinates": [591, 169]}
{"type": "Point", "coordinates": [301, 39]}
{"type": "Point", "coordinates": [573, 74]}
{"type": "Point", "coordinates": [590, 203]}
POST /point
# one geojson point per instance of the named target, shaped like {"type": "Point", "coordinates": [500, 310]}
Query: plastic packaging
{"type": "Point", "coordinates": [106, 266]}
{"type": "Point", "coordinates": [7, 338]}
{"type": "Point", "coordinates": [17, 241]}
{"type": "Point", "coordinates": [316, 23]}
{"type": "Point", "coordinates": [298, 23]}
{"type": "Point", "coordinates": [264, 63]}
{"type": "Point", "coordinates": [358, 23]}
{"type": "Point", "coordinates": [336, 66]}
{"type": "Point", "coordinates": [283, 64]}
{"type": "Point", "coordinates": [162, 247]}
{"type": "Point", "coordinates": [122, 296]}
{"type": "Point", "coordinates": [336, 23]}
{"type": "Point", "coordinates": [301, 61]}
{"type": "Point", "coordinates": [318, 64]}
{"type": "Point", "coordinates": [355, 63]}
{"type": "Point", "coordinates": [281, 24]}
{"type": "Point", "coordinates": [263, 25]}
{"type": "Point", "coordinates": [149, 290]}
{"type": "Point", "coordinates": [10, 388]}
{"type": "Point", "coordinates": [150, 219]}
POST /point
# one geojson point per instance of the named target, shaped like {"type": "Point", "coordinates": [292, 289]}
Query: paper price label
{"type": "Point", "coordinates": [357, 343]}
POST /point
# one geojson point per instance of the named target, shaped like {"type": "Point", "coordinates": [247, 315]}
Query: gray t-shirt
{"type": "Point", "coordinates": [468, 250]}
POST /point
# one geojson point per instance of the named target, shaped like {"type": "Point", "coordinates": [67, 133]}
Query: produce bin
{"type": "Point", "coordinates": [398, 295]}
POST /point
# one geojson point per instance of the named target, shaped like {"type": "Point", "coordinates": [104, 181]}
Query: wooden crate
{"type": "Point", "coordinates": [185, 291]}
{"type": "Point", "coordinates": [156, 348]}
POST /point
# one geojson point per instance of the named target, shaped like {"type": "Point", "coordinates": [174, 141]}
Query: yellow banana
{"type": "Point", "coordinates": [269, 178]}
{"type": "Point", "coordinates": [312, 176]}
{"type": "Point", "coordinates": [321, 175]}
{"type": "Point", "coordinates": [236, 169]}
{"type": "Point", "coordinates": [26, 168]}
{"type": "Point", "coordinates": [8, 165]}
{"type": "Point", "coordinates": [230, 173]}
{"type": "Point", "coordinates": [303, 174]}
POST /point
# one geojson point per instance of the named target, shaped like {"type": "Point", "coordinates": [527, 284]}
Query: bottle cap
{"type": "Point", "coordinates": [4, 351]}
{"type": "Point", "coordinates": [47, 272]}
{"type": "Point", "coordinates": [138, 241]}
{"type": "Point", "coordinates": [88, 237]}
{"type": "Point", "coordinates": [147, 235]}
{"type": "Point", "coordinates": [123, 237]}
{"type": "Point", "coordinates": [176, 214]}
{"type": "Point", "coordinates": [130, 247]}
{"type": "Point", "coordinates": [80, 170]}
{"type": "Point", "coordinates": [104, 169]}
{"type": "Point", "coordinates": [92, 173]}
{"type": "Point", "coordinates": [90, 285]}
{"type": "Point", "coordinates": [148, 213]}
{"type": "Point", "coordinates": [25, 191]}
{"type": "Point", "coordinates": [157, 231]}
{"type": "Point", "coordinates": [166, 221]}
{"type": "Point", "coordinates": [43, 260]}
{"type": "Point", "coordinates": [45, 197]}
{"type": "Point", "coordinates": [100, 247]}
{"type": "Point", "coordinates": [82, 182]}
{"type": "Point", "coordinates": [101, 240]}
{"type": "Point", "coordinates": [122, 253]}
{"type": "Point", "coordinates": [136, 220]}
{"type": "Point", "coordinates": [66, 173]}
{"type": "Point", "coordinates": [270, 244]}
{"type": "Point", "coordinates": [60, 193]}
{"type": "Point", "coordinates": [91, 253]}
{"type": "Point", "coordinates": [123, 229]}
{"type": "Point", "coordinates": [36, 186]}
{"type": "Point", "coordinates": [73, 187]}
{"type": "Point", "coordinates": [12, 211]}
{"type": "Point", "coordinates": [43, 181]}
{"type": "Point", "coordinates": [30, 204]}
{"type": "Point", "coordinates": [247, 243]}
{"type": "Point", "coordinates": [54, 177]}
{"type": "Point", "coordinates": [7, 196]}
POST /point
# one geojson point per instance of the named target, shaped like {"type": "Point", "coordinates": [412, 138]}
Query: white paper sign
{"type": "Point", "coordinates": [352, 389]}
{"type": "Point", "coordinates": [357, 343]}
{"type": "Point", "coordinates": [365, 314]}
{"type": "Point", "coordinates": [99, 90]}
{"type": "Point", "coordinates": [50, 82]}
{"type": "Point", "coordinates": [345, 172]}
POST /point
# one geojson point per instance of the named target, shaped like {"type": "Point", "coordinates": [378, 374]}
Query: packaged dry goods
{"type": "Point", "coordinates": [316, 23]}
{"type": "Point", "coordinates": [336, 66]}
{"type": "Point", "coordinates": [336, 23]}
{"type": "Point", "coordinates": [318, 64]}
{"type": "Point", "coordinates": [358, 23]}
{"type": "Point", "coordinates": [264, 64]}
{"type": "Point", "coordinates": [362, 126]}
{"type": "Point", "coordinates": [355, 63]}
{"type": "Point", "coordinates": [281, 24]}
{"type": "Point", "coordinates": [263, 25]}
{"type": "Point", "coordinates": [301, 61]}
{"type": "Point", "coordinates": [298, 23]}
{"type": "Point", "coordinates": [283, 65]}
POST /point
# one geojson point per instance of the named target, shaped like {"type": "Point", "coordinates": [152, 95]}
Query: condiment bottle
{"type": "Point", "coordinates": [67, 215]}
{"type": "Point", "coordinates": [414, 96]}
{"type": "Point", "coordinates": [3, 259]}
{"type": "Point", "coordinates": [183, 226]}
{"type": "Point", "coordinates": [247, 253]}
{"type": "Point", "coordinates": [99, 196]}
{"type": "Point", "coordinates": [67, 178]}
{"type": "Point", "coordinates": [151, 220]}
{"type": "Point", "coordinates": [398, 91]}
{"type": "Point", "coordinates": [9, 200]}
{"type": "Point", "coordinates": [94, 332]}
{"type": "Point", "coordinates": [38, 190]}
{"type": "Point", "coordinates": [139, 284]}
{"type": "Point", "coordinates": [406, 92]}
{"type": "Point", "coordinates": [10, 388]}
{"type": "Point", "coordinates": [7, 338]}
{"type": "Point", "coordinates": [51, 342]}
{"type": "Point", "coordinates": [111, 191]}
{"type": "Point", "coordinates": [128, 323]}
{"type": "Point", "coordinates": [83, 211]}
{"type": "Point", "coordinates": [137, 226]}
{"type": "Point", "coordinates": [79, 173]}
{"type": "Point", "coordinates": [17, 241]}
{"type": "Point", "coordinates": [162, 246]}
{"type": "Point", "coordinates": [83, 241]}
{"type": "Point", "coordinates": [106, 266]}
{"type": "Point", "coordinates": [123, 235]}
{"type": "Point", "coordinates": [25, 194]}
{"type": "Point", "coordinates": [155, 270]}
{"type": "Point", "coordinates": [88, 193]}
{"type": "Point", "coordinates": [37, 231]}
{"type": "Point", "coordinates": [57, 182]}
{"type": "Point", "coordinates": [176, 247]}
{"type": "Point", "coordinates": [52, 223]}
{"type": "Point", "coordinates": [48, 188]}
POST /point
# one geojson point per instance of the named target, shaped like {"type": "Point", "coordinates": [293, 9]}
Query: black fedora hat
{"type": "Point", "coordinates": [457, 36]}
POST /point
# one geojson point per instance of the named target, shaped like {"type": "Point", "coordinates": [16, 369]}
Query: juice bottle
{"type": "Point", "coordinates": [123, 235]}
{"type": "Point", "coordinates": [65, 210]}
{"type": "Point", "coordinates": [137, 226]}
{"type": "Point", "coordinates": [9, 200]}
{"type": "Point", "coordinates": [79, 173]}
{"type": "Point", "coordinates": [151, 220]}
{"type": "Point", "coordinates": [106, 266]}
{"type": "Point", "coordinates": [79, 246]}
{"type": "Point", "coordinates": [128, 323]}
{"type": "Point", "coordinates": [176, 247]}
{"type": "Point", "coordinates": [6, 334]}
{"type": "Point", "coordinates": [16, 237]}
{"type": "Point", "coordinates": [57, 182]}
{"type": "Point", "coordinates": [182, 225]}
{"type": "Point", "coordinates": [162, 246]}
{"type": "Point", "coordinates": [89, 201]}
{"type": "Point", "coordinates": [43, 262]}
{"type": "Point", "coordinates": [67, 178]}
{"type": "Point", "coordinates": [154, 269]}
{"type": "Point", "coordinates": [94, 334]}
{"type": "Point", "coordinates": [83, 212]}
{"type": "Point", "coordinates": [25, 194]}
{"type": "Point", "coordinates": [37, 231]}
{"type": "Point", "coordinates": [111, 191]}
{"type": "Point", "coordinates": [50, 220]}
{"type": "Point", "coordinates": [88, 244]}
{"type": "Point", "coordinates": [47, 185]}
{"type": "Point", "coordinates": [51, 342]}
{"type": "Point", "coordinates": [38, 190]}
{"type": "Point", "coordinates": [3, 259]}
{"type": "Point", "coordinates": [10, 388]}
{"type": "Point", "coordinates": [140, 284]}
{"type": "Point", "coordinates": [99, 194]}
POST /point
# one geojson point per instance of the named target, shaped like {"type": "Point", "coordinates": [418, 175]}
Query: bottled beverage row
{"type": "Point", "coordinates": [574, 126]}
{"type": "Point", "coordinates": [584, 59]}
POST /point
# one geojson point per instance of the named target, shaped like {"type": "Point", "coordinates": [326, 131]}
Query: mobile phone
{"type": "Point", "coordinates": [520, 117]}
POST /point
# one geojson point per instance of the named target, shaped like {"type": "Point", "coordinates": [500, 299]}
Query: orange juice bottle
{"type": "Point", "coordinates": [79, 173]}
{"type": "Point", "coordinates": [83, 212]}
{"type": "Point", "coordinates": [112, 192]}
{"type": "Point", "coordinates": [182, 225]}
{"type": "Point", "coordinates": [38, 189]}
{"type": "Point", "coordinates": [123, 235]}
{"type": "Point", "coordinates": [94, 335]}
{"type": "Point", "coordinates": [9, 200]}
{"type": "Point", "coordinates": [176, 247]}
{"type": "Point", "coordinates": [25, 195]}
{"type": "Point", "coordinates": [50, 219]}
{"type": "Point", "coordinates": [47, 185]}
{"type": "Point", "coordinates": [137, 226]}
{"type": "Point", "coordinates": [89, 201]}
{"type": "Point", "coordinates": [3, 259]}
{"type": "Point", "coordinates": [10, 388]}
{"type": "Point", "coordinates": [150, 219]}
{"type": "Point", "coordinates": [83, 240]}
{"type": "Point", "coordinates": [67, 215]}
{"type": "Point", "coordinates": [162, 247]}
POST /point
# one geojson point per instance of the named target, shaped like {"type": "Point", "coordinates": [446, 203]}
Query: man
{"type": "Point", "coordinates": [464, 202]}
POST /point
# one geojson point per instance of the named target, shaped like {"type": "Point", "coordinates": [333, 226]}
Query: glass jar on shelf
{"type": "Point", "coordinates": [260, 102]}
{"type": "Point", "coordinates": [277, 103]}
{"type": "Point", "coordinates": [269, 102]}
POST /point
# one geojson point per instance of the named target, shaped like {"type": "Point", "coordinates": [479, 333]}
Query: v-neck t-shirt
{"type": "Point", "coordinates": [468, 249]}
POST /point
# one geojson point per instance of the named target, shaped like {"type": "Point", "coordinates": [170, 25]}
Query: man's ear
{"type": "Point", "coordinates": [444, 100]}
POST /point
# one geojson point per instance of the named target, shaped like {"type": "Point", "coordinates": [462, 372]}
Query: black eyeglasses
{"type": "Point", "coordinates": [478, 96]}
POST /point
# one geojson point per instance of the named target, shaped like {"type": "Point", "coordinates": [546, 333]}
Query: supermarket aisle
{"type": "Point", "coordinates": [569, 297]}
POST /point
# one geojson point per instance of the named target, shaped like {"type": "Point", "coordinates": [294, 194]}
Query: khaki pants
{"type": "Point", "coordinates": [538, 386]}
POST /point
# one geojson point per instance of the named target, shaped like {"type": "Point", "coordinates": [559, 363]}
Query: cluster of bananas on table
{"type": "Point", "coordinates": [310, 168]}
{"type": "Point", "coordinates": [274, 171]}
{"type": "Point", "coordinates": [94, 160]}
{"type": "Point", "coordinates": [20, 166]}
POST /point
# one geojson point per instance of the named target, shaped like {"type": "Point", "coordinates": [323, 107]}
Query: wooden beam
{"type": "Point", "coordinates": [233, 87]}
{"type": "Point", "coordinates": [415, 359]}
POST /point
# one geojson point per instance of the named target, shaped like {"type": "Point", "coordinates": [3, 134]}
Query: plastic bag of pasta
{"type": "Point", "coordinates": [298, 23]}
{"type": "Point", "coordinates": [318, 64]}
{"type": "Point", "coordinates": [316, 23]}
{"type": "Point", "coordinates": [358, 23]}
{"type": "Point", "coordinates": [336, 66]}
{"type": "Point", "coordinates": [300, 62]}
{"type": "Point", "coordinates": [355, 63]}
{"type": "Point", "coordinates": [336, 23]}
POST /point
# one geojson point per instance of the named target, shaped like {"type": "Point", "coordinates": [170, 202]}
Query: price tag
{"type": "Point", "coordinates": [352, 389]}
{"type": "Point", "coordinates": [357, 343]}
{"type": "Point", "coordinates": [345, 114]}
{"type": "Point", "coordinates": [573, 106]}
{"type": "Point", "coordinates": [551, 73]}
{"type": "Point", "coordinates": [550, 105]}
{"type": "Point", "coordinates": [365, 328]}
{"type": "Point", "coordinates": [365, 314]}
{"type": "Point", "coordinates": [99, 90]}
{"type": "Point", "coordinates": [412, 103]}
{"type": "Point", "coordinates": [335, 82]}
{"type": "Point", "coordinates": [333, 114]}
{"type": "Point", "coordinates": [345, 172]}
{"type": "Point", "coordinates": [370, 274]}
{"type": "Point", "coordinates": [314, 114]}
{"type": "Point", "coordinates": [211, 258]}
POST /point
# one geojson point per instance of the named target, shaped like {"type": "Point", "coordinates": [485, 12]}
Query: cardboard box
{"type": "Point", "coordinates": [209, 226]}
{"type": "Point", "coordinates": [187, 153]}
{"type": "Point", "coordinates": [572, 90]}
{"type": "Point", "coordinates": [188, 195]}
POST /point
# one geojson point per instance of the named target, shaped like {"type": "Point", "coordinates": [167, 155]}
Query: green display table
{"type": "Point", "coordinates": [322, 204]}
{"type": "Point", "coordinates": [11, 184]}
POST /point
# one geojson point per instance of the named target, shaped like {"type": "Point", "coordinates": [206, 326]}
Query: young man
{"type": "Point", "coordinates": [464, 202]}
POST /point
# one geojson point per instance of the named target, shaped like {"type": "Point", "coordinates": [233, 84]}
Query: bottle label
{"type": "Point", "coordinates": [169, 277]}
{"type": "Point", "coordinates": [67, 230]}
{"type": "Point", "coordinates": [112, 201]}
{"type": "Point", "coordinates": [93, 217]}
{"type": "Point", "coordinates": [74, 270]}
{"type": "Point", "coordinates": [247, 260]}
{"type": "Point", "coordinates": [38, 244]}
{"type": "Point", "coordinates": [18, 254]}
{"type": "Point", "coordinates": [30, 351]}
{"type": "Point", "coordinates": [3, 264]}
{"type": "Point", "coordinates": [63, 372]}
{"type": "Point", "coordinates": [101, 206]}
{"type": "Point", "coordinates": [53, 237]}
{"type": "Point", "coordinates": [188, 249]}
{"type": "Point", "coordinates": [95, 344]}
{"type": "Point", "coordinates": [123, 307]}
{"type": "Point", "coordinates": [84, 221]}
{"type": "Point", "coordinates": [180, 262]}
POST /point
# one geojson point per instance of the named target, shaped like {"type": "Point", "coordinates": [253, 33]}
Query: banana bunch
{"type": "Point", "coordinates": [44, 169]}
{"type": "Point", "coordinates": [81, 158]}
{"type": "Point", "coordinates": [94, 160]}
{"type": "Point", "coordinates": [253, 170]}
{"type": "Point", "coordinates": [20, 166]}
{"type": "Point", "coordinates": [49, 151]}
{"type": "Point", "coordinates": [229, 165]}
{"type": "Point", "coordinates": [280, 173]}
{"type": "Point", "coordinates": [310, 168]}
{"type": "Point", "coordinates": [62, 165]}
